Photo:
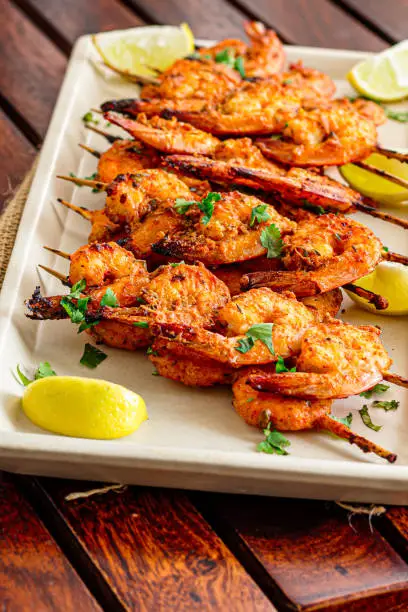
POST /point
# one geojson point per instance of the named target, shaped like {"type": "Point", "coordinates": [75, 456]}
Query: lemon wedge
{"type": "Point", "coordinates": [390, 280]}
{"type": "Point", "coordinates": [376, 187]}
{"type": "Point", "coordinates": [380, 77]}
{"type": "Point", "coordinates": [83, 407]}
{"type": "Point", "coordinates": [137, 50]}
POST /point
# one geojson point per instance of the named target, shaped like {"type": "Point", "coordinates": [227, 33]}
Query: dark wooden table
{"type": "Point", "coordinates": [155, 549]}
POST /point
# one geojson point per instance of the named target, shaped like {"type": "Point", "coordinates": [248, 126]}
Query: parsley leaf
{"type": "Point", "coordinates": [401, 116]}
{"type": "Point", "coordinates": [43, 370]}
{"type": "Point", "coordinates": [89, 118]}
{"type": "Point", "coordinates": [76, 312]}
{"type": "Point", "coordinates": [77, 289]}
{"type": "Point", "coordinates": [259, 214]}
{"type": "Point", "coordinates": [275, 443]}
{"type": "Point", "coordinates": [367, 419]}
{"type": "Point", "coordinates": [280, 366]}
{"type": "Point", "coordinates": [207, 206]}
{"type": "Point", "coordinates": [386, 249]}
{"type": "Point", "coordinates": [259, 331]}
{"type": "Point", "coordinates": [318, 210]}
{"type": "Point", "coordinates": [390, 405]}
{"type": "Point", "coordinates": [143, 324]}
{"type": "Point", "coordinates": [92, 356]}
{"type": "Point", "coordinates": [272, 241]}
{"type": "Point", "coordinates": [347, 420]}
{"type": "Point", "coordinates": [182, 206]}
{"type": "Point", "coordinates": [109, 299]}
{"type": "Point", "coordinates": [379, 388]}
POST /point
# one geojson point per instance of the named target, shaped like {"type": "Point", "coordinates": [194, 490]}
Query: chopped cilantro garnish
{"type": "Point", "coordinates": [109, 299]}
{"type": "Point", "coordinates": [386, 405]}
{"type": "Point", "coordinates": [280, 366]}
{"type": "Point", "coordinates": [89, 118]}
{"type": "Point", "coordinates": [259, 214]}
{"type": "Point", "coordinates": [92, 356]}
{"type": "Point", "coordinates": [379, 388]}
{"type": "Point", "coordinates": [150, 351]}
{"type": "Point", "coordinates": [386, 249]}
{"type": "Point", "coordinates": [182, 206]}
{"type": "Point", "coordinates": [76, 311]}
{"type": "Point", "coordinates": [155, 373]}
{"type": "Point", "coordinates": [239, 66]}
{"type": "Point", "coordinates": [260, 331]}
{"type": "Point", "coordinates": [401, 116]}
{"type": "Point", "coordinates": [227, 57]}
{"type": "Point", "coordinates": [367, 419]}
{"type": "Point", "coordinates": [347, 420]}
{"type": "Point", "coordinates": [143, 324]}
{"type": "Point", "coordinates": [275, 443]}
{"type": "Point", "coordinates": [43, 370]}
{"type": "Point", "coordinates": [318, 210]}
{"type": "Point", "coordinates": [272, 241]}
{"type": "Point", "coordinates": [206, 205]}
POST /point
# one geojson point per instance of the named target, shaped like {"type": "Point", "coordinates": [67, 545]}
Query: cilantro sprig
{"type": "Point", "coordinates": [259, 331]}
{"type": "Point", "coordinates": [376, 390]}
{"type": "Point", "coordinates": [43, 370]}
{"type": "Point", "coordinates": [318, 210]}
{"type": "Point", "coordinates": [401, 116]}
{"type": "Point", "coordinates": [259, 214]}
{"type": "Point", "coordinates": [365, 417]}
{"type": "Point", "coordinates": [206, 205]}
{"type": "Point", "coordinates": [347, 420]}
{"type": "Point", "coordinates": [109, 299]}
{"type": "Point", "coordinates": [92, 356]}
{"type": "Point", "coordinates": [227, 57]}
{"type": "Point", "coordinates": [275, 443]}
{"type": "Point", "coordinates": [281, 367]}
{"type": "Point", "coordinates": [272, 241]}
{"type": "Point", "coordinates": [386, 405]}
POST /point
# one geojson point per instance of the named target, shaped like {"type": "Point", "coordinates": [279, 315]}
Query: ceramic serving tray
{"type": "Point", "coordinates": [193, 438]}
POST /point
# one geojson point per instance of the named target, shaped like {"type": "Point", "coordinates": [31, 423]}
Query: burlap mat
{"type": "Point", "coordinates": [10, 220]}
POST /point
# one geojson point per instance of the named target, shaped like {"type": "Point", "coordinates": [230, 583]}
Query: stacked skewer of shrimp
{"type": "Point", "coordinates": [209, 240]}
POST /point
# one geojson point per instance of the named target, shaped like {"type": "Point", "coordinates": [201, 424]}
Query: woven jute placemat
{"type": "Point", "coordinates": [10, 220]}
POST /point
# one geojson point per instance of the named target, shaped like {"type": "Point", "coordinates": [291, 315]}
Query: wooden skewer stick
{"type": "Point", "coordinates": [64, 279]}
{"type": "Point", "coordinates": [403, 157]}
{"type": "Point", "coordinates": [97, 111]}
{"type": "Point", "coordinates": [386, 175]}
{"type": "Point", "coordinates": [58, 252]}
{"type": "Point", "coordinates": [84, 182]}
{"type": "Point", "coordinates": [109, 137]}
{"type": "Point", "coordinates": [93, 152]}
{"type": "Point", "coordinates": [397, 257]}
{"type": "Point", "coordinates": [341, 430]}
{"type": "Point", "coordinates": [84, 212]}
{"type": "Point", "coordinates": [138, 78]}
{"type": "Point", "coordinates": [380, 302]}
{"type": "Point", "coordinates": [379, 214]}
{"type": "Point", "coordinates": [396, 379]}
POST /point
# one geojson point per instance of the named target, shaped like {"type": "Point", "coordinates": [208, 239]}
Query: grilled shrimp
{"type": "Point", "coordinates": [330, 136]}
{"type": "Point", "coordinates": [313, 87]}
{"type": "Point", "coordinates": [323, 253]}
{"type": "Point", "coordinates": [336, 360]}
{"type": "Point", "coordinates": [126, 157]}
{"type": "Point", "coordinates": [260, 409]}
{"type": "Point", "coordinates": [230, 235]}
{"type": "Point", "coordinates": [289, 317]}
{"type": "Point", "coordinates": [265, 56]}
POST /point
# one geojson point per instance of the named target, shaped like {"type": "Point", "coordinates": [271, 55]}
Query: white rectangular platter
{"type": "Point", "coordinates": [193, 438]}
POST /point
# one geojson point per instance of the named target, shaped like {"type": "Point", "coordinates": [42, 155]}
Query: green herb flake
{"type": "Point", "coordinates": [92, 356]}
{"type": "Point", "coordinates": [43, 371]}
{"type": "Point", "coordinates": [155, 373]}
{"type": "Point", "coordinates": [272, 241]}
{"type": "Point", "coordinates": [259, 214]}
{"type": "Point", "coordinates": [182, 206]}
{"type": "Point", "coordinates": [239, 66]}
{"type": "Point", "coordinates": [143, 324]}
{"type": "Point", "coordinates": [259, 331]}
{"type": "Point", "coordinates": [281, 367]}
{"type": "Point", "coordinates": [318, 210]}
{"type": "Point", "coordinates": [376, 390]}
{"type": "Point", "coordinates": [367, 419]}
{"type": "Point", "coordinates": [250, 399]}
{"type": "Point", "coordinates": [109, 299]}
{"type": "Point", "coordinates": [23, 378]}
{"type": "Point", "coordinates": [347, 420]}
{"type": "Point", "coordinates": [207, 206]}
{"type": "Point", "coordinates": [386, 405]}
{"type": "Point", "coordinates": [76, 311]}
{"type": "Point", "coordinates": [84, 325]}
{"type": "Point", "coordinates": [150, 351]}
{"type": "Point", "coordinates": [275, 443]}
{"type": "Point", "coordinates": [386, 249]}
{"type": "Point", "coordinates": [89, 118]}
{"type": "Point", "coordinates": [401, 116]}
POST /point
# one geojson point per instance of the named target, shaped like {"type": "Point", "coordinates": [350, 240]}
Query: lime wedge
{"type": "Point", "coordinates": [83, 407]}
{"type": "Point", "coordinates": [139, 50]}
{"type": "Point", "coordinates": [379, 77]}
{"type": "Point", "coordinates": [390, 280]}
{"type": "Point", "coordinates": [376, 187]}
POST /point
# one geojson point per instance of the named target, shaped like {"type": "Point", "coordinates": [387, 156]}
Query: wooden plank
{"type": "Point", "coordinates": [17, 157]}
{"type": "Point", "coordinates": [31, 68]}
{"type": "Point", "coordinates": [66, 21]}
{"type": "Point", "coordinates": [315, 23]}
{"type": "Point", "coordinates": [216, 19]}
{"type": "Point", "coordinates": [155, 550]}
{"type": "Point", "coordinates": [34, 574]}
{"type": "Point", "coordinates": [315, 559]}
{"type": "Point", "coordinates": [395, 524]}
{"type": "Point", "coordinates": [389, 17]}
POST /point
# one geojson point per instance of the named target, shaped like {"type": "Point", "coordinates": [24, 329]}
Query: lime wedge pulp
{"type": "Point", "coordinates": [390, 280]}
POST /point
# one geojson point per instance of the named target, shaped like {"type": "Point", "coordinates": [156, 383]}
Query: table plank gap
{"type": "Point", "coordinates": [32, 488]}
{"type": "Point", "coordinates": [34, 573]}
{"type": "Point", "coordinates": [154, 549]}
{"type": "Point", "coordinates": [389, 19]}
{"type": "Point", "coordinates": [394, 527]}
{"type": "Point", "coordinates": [316, 559]}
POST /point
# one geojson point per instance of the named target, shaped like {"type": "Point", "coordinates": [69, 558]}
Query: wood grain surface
{"type": "Point", "coordinates": [150, 549]}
